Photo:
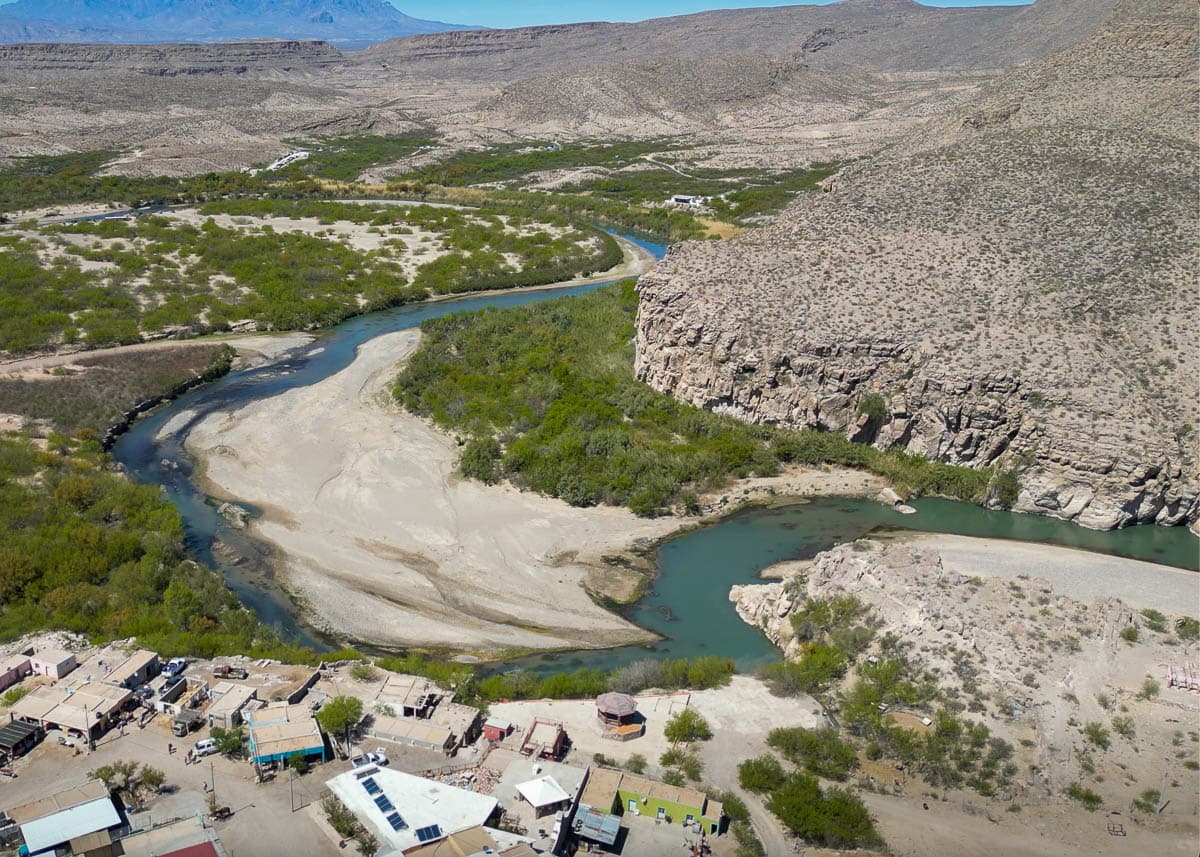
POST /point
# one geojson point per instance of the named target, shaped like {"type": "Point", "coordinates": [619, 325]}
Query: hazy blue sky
{"type": "Point", "coordinates": [493, 14]}
{"type": "Point", "coordinates": [510, 14]}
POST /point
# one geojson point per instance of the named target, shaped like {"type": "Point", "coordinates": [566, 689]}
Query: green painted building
{"type": "Point", "coordinates": [617, 793]}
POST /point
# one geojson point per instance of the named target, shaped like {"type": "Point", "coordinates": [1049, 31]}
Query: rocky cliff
{"type": "Point", "coordinates": [168, 60]}
{"type": "Point", "coordinates": [1024, 297]}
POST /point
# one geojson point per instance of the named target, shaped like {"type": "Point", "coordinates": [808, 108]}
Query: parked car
{"type": "Point", "coordinates": [377, 758]}
{"type": "Point", "coordinates": [175, 666]}
{"type": "Point", "coordinates": [206, 747]}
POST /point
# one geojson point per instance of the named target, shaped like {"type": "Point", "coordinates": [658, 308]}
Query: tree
{"type": "Point", "coordinates": [229, 741]}
{"type": "Point", "coordinates": [153, 778]}
{"type": "Point", "coordinates": [182, 604]}
{"type": "Point", "coordinates": [636, 763]}
{"type": "Point", "coordinates": [340, 715]}
{"type": "Point", "coordinates": [368, 845]}
{"type": "Point", "coordinates": [686, 726]}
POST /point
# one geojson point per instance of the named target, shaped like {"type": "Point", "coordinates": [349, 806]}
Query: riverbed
{"type": "Point", "coordinates": [499, 562]}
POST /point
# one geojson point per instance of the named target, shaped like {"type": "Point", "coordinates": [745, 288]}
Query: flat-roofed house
{"type": "Point", "coordinates": [412, 731]}
{"type": "Point", "coordinates": [87, 709]}
{"type": "Point", "coordinates": [83, 821]}
{"type": "Point", "coordinates": [406, 812]}
{"type": "Point", "coordinates": [53, 663]}
{"type": "Point", "coordinates": [280, 731]}
{"type": "Point", "coordinates": [13, 669]}
{"type": "Point", "coordinates": [229, 701]}
{"type": "Point", "coordinates": [135, 670]}
{"type": "Point", "coordinates": [615, 793]}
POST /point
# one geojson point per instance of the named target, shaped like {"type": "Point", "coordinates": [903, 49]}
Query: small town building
{"type": "Point", "coordinates": [185, 837]}
{"type": "Point", "coordinates": [135, 670]}
{"type": "Point", "coordinates": [279, 731]}
{"type": "Point", "coordinates": [87, 710]}
{"type": "Point", "coordinates": [463, 721]}
{"type": "Point", "coordinates": [83, 821]}
{"type": "Point", "coordinates": [408, 695]}
{"type": "Point", "coordinates": [53, 663]}
{"type": "Point", "coordinates": [617, 793]}
{"type": "Point", "coordinates": [13, 669]}
{"type": "Point", "coordinates": [476, 842]}
{"type": "Point", "coordinates": [546, 739]}
{"type": "Point", "coordinates": [596, 826]}
{"type": "Point", "coordinates": [545, 795]}
{"type": "Point", "coordinates": [18, 737]}
{"type": "Point", "coordinates": [405, 812]}
{"type": "Point", "coordinates": [619, 717]}
{"type": "Point", "coordinates": [229, 700]}
{"type": "Point", "coordinates": [496, 729]}
{"type": "Point", "coordinates": [413, 732]}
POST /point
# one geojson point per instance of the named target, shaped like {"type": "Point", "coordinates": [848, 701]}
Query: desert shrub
{"type": "Point", "coordinates": [1149, 689]}
{"type": "Point", "coordinates": [1090, 799]}
{"type": "Point", "coordinates": [819, 751]}
{"type": "Point", "coordinates": [833, 818]}
{"type": "Point", "coordinates": [761, 774]}
{"type": "Point", "coordinates": [1130, 634]}
{"type": "Point", "coordinates": [687, 726]}
{"type": "Point", "coordinates": [1097, 734]}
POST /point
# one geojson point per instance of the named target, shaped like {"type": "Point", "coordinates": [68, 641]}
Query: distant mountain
{"type": "Point", "coordinates": [348, 23]}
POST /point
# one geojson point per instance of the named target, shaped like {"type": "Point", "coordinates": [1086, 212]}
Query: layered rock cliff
{"type": "Point", "coordinates": [1022, 297]}
{"type": "Point", "coordinates": [169, 60]}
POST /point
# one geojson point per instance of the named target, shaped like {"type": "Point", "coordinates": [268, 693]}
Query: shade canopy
{"type": "Point", "coordinates": [616, 704]}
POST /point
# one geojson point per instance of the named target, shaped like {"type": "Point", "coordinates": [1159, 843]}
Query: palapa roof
{"type": "Point", "coordinates": [616, 704]}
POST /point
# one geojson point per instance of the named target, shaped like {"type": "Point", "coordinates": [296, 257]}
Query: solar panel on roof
{"type": "Point", "coordinates": [427, 834]}
{"type": "Point", "coordinates": [371, 786]}
{"type": "Point", "coordinates": [384, 804]}
{"type": "Point", "coordinates": [397, 822]}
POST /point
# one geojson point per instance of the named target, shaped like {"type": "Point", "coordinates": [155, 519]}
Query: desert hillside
{"type": "Point", "coordinates": [1020, 296]}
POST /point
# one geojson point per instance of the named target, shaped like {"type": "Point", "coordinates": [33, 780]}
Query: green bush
{"type": "Point", "coordinates": [1090, 799]}
{"type": "Point", "coordinates": [1129, 634]}
{"type": "Point", "coordinates": [819, 666]}
{"type": "Point", "coordinates": [1149, 690]}
{"type": "Point", "coordinates": [761, 775]}
{"type": "Point", "coordinates": [818, 751]}
{"type": "Point", "coordinates": [1097, 734]}
{"type": "Point", "coordinates": [687, 726]}
{"type": "Point", "coordinates": [481, 460]}
{"type": "Point", "coordinates": [834, 818]}
{"type": "Point", "coordinates": [1188, 629]}
{"type": "Point", "coordinates": [1155, 620]}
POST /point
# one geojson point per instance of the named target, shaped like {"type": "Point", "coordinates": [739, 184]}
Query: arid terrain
{"type": "Point", "coordinates": [1013, 285]}
{"type": "Point", "coordinates": [777, 86]}
{"type": "Point", "coordinates": [1038, 663]}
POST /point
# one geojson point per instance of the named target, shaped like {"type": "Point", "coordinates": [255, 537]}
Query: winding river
{"type": "Point", "coordinates": [688, 603]}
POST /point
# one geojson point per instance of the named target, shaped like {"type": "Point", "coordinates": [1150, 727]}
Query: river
{"type": "Point", "coordinates": [688, 603]}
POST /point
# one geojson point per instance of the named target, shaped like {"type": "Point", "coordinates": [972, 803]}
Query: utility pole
{"type": "Point", "coordinates": [291, 790]}
{"type": "Point", "coordinates": [212, 776]}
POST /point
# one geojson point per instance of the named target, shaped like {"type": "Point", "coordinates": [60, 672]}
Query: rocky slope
{"type": "Point", "coordinates": [1031, 662]}
{"type": "Point", "coordinates": [1023, 296]}
{"type": "Point", "coordinates": [169, 60]}
{"type": "Point", "coordinates": [883, 35]}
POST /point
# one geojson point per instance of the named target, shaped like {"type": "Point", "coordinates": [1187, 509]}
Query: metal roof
{"type": "Point", "coordinates": [63, 826]}
{"type": "Point", "coordinates": [595, 826]}
{"type": "Point", "coordinates": [14, 732]}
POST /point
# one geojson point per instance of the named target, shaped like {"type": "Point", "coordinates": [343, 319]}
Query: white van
{"type": "Point", "coordinates": [206, 747]}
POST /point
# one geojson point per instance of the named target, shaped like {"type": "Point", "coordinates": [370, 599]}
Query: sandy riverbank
{"type": "Point", "coordinates": [1078, 574]}
{"type": "Point", "coordinates": [385, 543]}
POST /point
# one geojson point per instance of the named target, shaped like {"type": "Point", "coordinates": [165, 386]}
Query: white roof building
{"type": "Point", "coordinates": [68, 815]}
{"type": "Point", "coordinates": [543, 792]}
{"type": "Point", "coordinates": [407, 812]}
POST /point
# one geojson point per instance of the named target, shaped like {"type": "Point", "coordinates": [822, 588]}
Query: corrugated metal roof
{"type": "Point", "coordinates": [595, 826]}
{"type": "Point", "coordinates": [63, 826]}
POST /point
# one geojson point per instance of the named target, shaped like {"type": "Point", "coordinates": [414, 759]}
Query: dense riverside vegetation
{"type": "Point", "coordinates": [86, 550]}
{"type": "Point", "coordinates": [95, 392]}
{"type": "Point", "coordinates": [546, 395]}
{"type": "Point", "coordinates": [158, 272]}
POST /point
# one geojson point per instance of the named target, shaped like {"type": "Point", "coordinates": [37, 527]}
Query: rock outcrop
{"type": "Point", "coordinates": [169, 60]}
{"type": "Point", "coordinates": [1023, 297]}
